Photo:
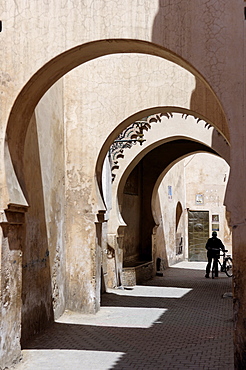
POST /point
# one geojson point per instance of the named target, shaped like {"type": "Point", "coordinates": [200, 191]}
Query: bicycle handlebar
{"type": "Point", "coordinates": [223, 251]}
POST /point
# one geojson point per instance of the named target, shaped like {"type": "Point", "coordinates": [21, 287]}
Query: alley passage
{"type": "Point", "coordinates": [178, 321]}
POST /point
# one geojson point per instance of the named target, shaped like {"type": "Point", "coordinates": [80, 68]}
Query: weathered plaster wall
{"type": "Point", "coordinates": [168, 203]}
{"type": "Point", "coordinates": [131, 215]}
{"type": "Point", "coordinates": [214, 42]}
{"type": "Point", "coordinates": [50, 127]}
{"type": "Point", "coordinates": [12, 240]}
{"type": "Point", "coordinates": [37, 311]}
{"type": "Point", "coordinates": [109, 252]}
{"type": "Point", "coordinates": [43, 291]}
{"type": "Point", "coordinates": [169, 127]}
{"type": "Point", "coordinates": [145, 24]}
{"type": "Point", "coordinates": [91, 93]}
{"type": "Point", "coordinates": [208, 34]}
{"type": "Point", "coordinates": [212, 38]}
{"type": "Point", "coordinates": [197, 174]}
{"type": "Point", "coordinates": [208, 175]}
{"type": "Point", "coordinates": [107, 186]}
{"type": "Point", "coordinates": [83, 249]}
{"type": "Point", "coordinates": [90, 115]}
{"type": "Point", "coordinates": [131, 209]}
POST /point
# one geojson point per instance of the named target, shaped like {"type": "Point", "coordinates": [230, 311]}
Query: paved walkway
{"type": "Point", "coordinates": [178, 321]}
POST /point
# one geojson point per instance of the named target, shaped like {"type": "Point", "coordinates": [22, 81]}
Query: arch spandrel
{"type": "Point", "coordinates": [45, 77]}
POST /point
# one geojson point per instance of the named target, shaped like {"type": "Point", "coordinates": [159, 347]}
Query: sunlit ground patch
{"type": "Point", "coordinates": [55, 359]}
{"type": "Point", "coordinates": [190, 265]}
{"type": "Point", "coordinates": [152, 291]}
{"type": "Point", "coordinates": [129, 317]}
{"type": "Point", "coordinates": [122, 317]}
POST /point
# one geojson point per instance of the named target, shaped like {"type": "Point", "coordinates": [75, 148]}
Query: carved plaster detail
{"type": "Point", "coordinates": [129, 137]}
{"type": "Point", "coordinates": [134, 134]}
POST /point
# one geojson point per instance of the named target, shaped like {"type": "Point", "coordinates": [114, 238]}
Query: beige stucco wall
{"type": "Point", "coordinates": [43, 287]}
{"type": "Point", "coordinates": [28, 17]}
{"type": "Point", "coordinates": [200, 173]}
{"type": "Point", "coordinates": [50, 126]}
{"type": "Point", "coordinates": [101, 94]}
{"type": "Point", "coordinates": [81, 201]}
{"type": "Point", "coordinates": [168, 233]}
{"type": "Point", "coordinates": [11, 303]}
{"type": "Point", "coordinates": [90, 116]}
{"type": "Point", "coordinates": [169, 127]}
{"type": "Point", "coordinates": [208, 175]}
{"type": "Point", "coordinates": [131, 213]}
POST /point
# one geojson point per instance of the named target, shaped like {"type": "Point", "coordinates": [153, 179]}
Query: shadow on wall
{"type": "Point", "coordinates": [37, 311]}
{"type": "Point", "coordinates": [139, 210]}
{"type": "Point", "coordinates": [188, 30]}
{"type": "Point", "coordinates": [182, 28]}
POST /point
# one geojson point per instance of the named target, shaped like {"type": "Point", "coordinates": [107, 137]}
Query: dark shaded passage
{"type": "Point", "coordinates": [149, 169]}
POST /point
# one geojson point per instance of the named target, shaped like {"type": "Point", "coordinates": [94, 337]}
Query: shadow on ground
{"type": "Point", "coordinates": [192, 331]}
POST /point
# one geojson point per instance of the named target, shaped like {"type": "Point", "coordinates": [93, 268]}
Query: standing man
{"type": "Point", "coordinates": [213, 246]}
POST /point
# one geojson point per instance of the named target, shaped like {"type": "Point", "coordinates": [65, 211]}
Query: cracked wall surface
{"type": "Point", "coordinates": [206, 44]}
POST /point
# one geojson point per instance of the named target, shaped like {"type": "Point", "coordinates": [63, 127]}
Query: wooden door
{"type": "Point", "coordinates": [198, 233]}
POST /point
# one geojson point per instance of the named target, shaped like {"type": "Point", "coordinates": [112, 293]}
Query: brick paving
{"type": "Point", "coordinates": [149, 327]}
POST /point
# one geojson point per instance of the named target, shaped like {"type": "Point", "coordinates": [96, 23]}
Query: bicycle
{"type": "Point", "coordinates": [225, 266]}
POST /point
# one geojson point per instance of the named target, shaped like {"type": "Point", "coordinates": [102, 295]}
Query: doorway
{"type": "Point", "coordinates": [198, 233]}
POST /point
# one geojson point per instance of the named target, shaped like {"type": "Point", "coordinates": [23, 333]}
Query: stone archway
{"type": "Point", "coordinates": [178, 126]}
{"type": "Point", "coordinates": [207, 106]}
{"type": "Point", "coordinates": [149, 246]}
{"type": "Point", "coordinates": [22, 114]}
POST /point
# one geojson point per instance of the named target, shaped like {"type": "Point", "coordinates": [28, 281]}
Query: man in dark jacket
{"type": "Point", "coordinates": [213, 246]}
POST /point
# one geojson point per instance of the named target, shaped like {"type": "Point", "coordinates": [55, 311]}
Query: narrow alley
{"type": "Point", "coordinates": [177, 321]}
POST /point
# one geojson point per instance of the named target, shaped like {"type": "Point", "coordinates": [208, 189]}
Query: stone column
{"type": "Point", "coordinates": [112, 261]}
{"type": "Point", "coordinates": [239, 283]}
{"type": "Point", "coordinates": [12, 234]}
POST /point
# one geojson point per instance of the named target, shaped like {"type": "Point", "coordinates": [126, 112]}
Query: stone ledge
{"type": "Point", "coordinates": [137, 274]}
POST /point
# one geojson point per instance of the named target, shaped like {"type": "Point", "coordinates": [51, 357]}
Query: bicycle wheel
{"type": "Point", "coordinates": [228, 267]}
{"type": "Point", "coordinates": [213, 270]}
